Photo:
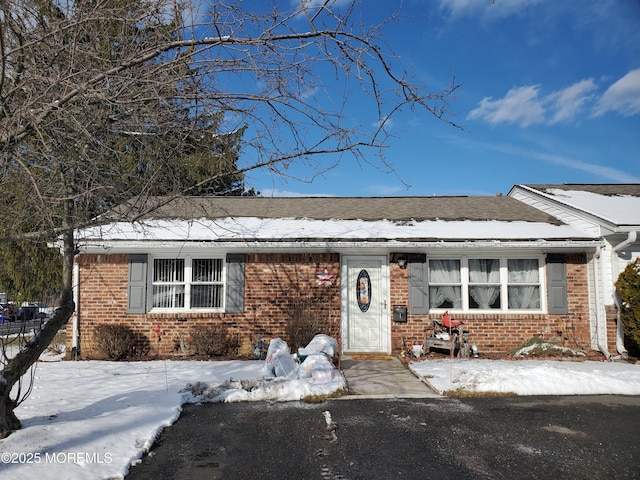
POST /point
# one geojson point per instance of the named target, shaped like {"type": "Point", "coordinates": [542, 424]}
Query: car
{"type": "Point", "coordinates": [7, 313]}
{"type": "Point", "coordinates": [45, 309]}
{"type": "Point", "coordinates": [30, 312]}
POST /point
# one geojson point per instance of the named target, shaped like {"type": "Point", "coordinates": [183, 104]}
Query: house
{"type": "Point", "coordinates": [611, 212]}
{"type": "Point", "coordinates": [376, 271]}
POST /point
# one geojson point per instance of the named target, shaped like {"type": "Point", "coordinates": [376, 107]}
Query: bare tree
{"type": "Point", "coordinates": [103, 100]}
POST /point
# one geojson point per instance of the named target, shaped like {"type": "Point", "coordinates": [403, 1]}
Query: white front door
{"type": "Point", "coordinates": [365, 300]}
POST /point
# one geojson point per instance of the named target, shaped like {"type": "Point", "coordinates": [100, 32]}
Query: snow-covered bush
{"type": "Point", "coordinates": [536, 347]}
{"type": "Point", "coordinates": [628, 289]}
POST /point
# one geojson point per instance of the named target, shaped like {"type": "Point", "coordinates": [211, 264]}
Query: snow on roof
{"type": "Point", "coordinates": [289, 229]}
{"type": "Point", "coordinates": [616, 204]}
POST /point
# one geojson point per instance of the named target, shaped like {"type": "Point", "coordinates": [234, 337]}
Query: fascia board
{"type": "Point", "coordinates": [113, 247]}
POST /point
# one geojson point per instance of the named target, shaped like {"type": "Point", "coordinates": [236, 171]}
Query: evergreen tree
{"type": "Point", "coordinates": [30, 271]}
{"type": "Point", "coordinates": [628, 289]}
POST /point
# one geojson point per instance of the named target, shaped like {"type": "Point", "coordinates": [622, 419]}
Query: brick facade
{"type": "Point", "coordinates": [500, 332]}
{"type": "Point", "coordinates": [279, 287]}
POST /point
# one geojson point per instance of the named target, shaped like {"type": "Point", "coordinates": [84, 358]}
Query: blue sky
{"type": "Point", "coordinates": [550, 93]}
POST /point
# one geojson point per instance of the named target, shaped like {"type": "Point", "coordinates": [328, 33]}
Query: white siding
{"type": "Point", "coordinates": [592, 301]}
{"type": "Point", "coordinates": [608, 289]}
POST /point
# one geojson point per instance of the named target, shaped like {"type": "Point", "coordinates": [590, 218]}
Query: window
{"type": "Point", "coordinates": [168, 283]}
{"type": "Point", "coordinates": [185, 283]}
{"type": "Point", "coordinates": [484, 283]}
{"type": "Point", "coordinates": [445, 284]}
{"type": "Point", "coordinates": [206, 285]}
{"type": "Point", "coordinates": [523, 284]}
{"type": "Point", "coordinates": [498, 283]}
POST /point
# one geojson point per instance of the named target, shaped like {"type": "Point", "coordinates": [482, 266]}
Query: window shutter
{"type": "Point", "coordinates": [235, 283]}
{"type": "Point", "coordinates": [557, 277]}
{"type": "Point", "coordinates": [418, 288]}
{"type": "Point", "coordinates": [137, 288]}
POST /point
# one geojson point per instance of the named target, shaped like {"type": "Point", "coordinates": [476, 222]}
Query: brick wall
{"type": "Point", "coordinates": [500, 332]}
{"type": "Point", "coordinates": [277, 288]}
{"type": "Point", "coordinates": [612, 324]}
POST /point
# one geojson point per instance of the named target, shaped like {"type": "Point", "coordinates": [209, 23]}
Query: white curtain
{"type": "Point", "coordinates": [523, 271]}
{"type": "Point", "coordinates": [484, 271]}
{"type": "Point", "coordinates": [443, 272]}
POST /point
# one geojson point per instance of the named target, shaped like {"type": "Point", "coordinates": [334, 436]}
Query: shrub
{"type": "Point", "coordinates": [212, 340]}
{"type": "Point", "coordinates": [119, 342]}
{"type": "Point", "coordinates": [306, 319]}
{"type": "Point", "coordinates": [628, 289]}
{"type": "Point", "coordinates": [537, 347]}
{"type": "Point", "coordinates": [58, 344]}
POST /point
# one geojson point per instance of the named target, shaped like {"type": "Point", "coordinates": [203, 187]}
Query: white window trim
{"type": "Point", "coordinates": [464, 272]}
{"type": "Point", "coordinates": [188, 258]}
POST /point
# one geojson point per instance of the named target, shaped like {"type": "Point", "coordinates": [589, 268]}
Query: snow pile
{"type": "Point", "coordinates": [286, 377]}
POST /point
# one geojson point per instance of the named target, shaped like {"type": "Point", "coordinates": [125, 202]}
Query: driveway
{"type": "Point", "coordinates": [591, 437]}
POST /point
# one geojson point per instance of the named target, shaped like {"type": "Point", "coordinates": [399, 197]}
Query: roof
{"type": "Point", "coordinates": [608, 189]}
{"type": "Point", "coordinates": [329, 221]}
{"type": "Point", "coordinates": [618, 204]}
{"type": "Point", "coordinates": [497, 208]}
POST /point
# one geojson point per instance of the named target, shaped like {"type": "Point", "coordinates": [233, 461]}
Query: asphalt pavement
{"type": "Point", "coordinates": [11, 328]}
{"type": "Point", "coordinates": [392, 425]}
{"type": "Point", "coordinates": [587, 437]}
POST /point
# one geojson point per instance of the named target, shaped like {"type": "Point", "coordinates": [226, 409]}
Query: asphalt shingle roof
{"type": "Point", "coordinates": [499, 208]}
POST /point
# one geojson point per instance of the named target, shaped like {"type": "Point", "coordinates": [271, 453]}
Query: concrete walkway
{"type": "Point", "coordinates": [382, 378]}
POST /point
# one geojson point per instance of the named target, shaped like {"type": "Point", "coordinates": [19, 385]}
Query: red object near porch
{"type": "Point", "coordinates": [448, 323]}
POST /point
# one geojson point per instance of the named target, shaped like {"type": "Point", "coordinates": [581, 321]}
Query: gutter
{"type": "Point", "coordinates": [601, 324]}
{"type": "Point", "coordinates": [75, 335]}
{"type": "Point", "coordinates": [631, 238]}
{"type": "Point", "coordinates": [333, 245]}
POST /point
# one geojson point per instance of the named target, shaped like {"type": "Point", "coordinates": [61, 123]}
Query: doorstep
{"type": "Point", "coordinates": [381, 376]}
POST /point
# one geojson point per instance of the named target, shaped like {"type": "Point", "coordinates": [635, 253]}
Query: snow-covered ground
{"type": "Point", "coordinates": [93, 419]}
{"type": "Point", "coordinates": [531, 377]}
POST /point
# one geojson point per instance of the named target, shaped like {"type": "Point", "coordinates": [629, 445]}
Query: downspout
{"type": "Point", "coordinates": [601, 324]}
{"type": "Point", "coordinates": [75, 336]}
{"type": "Point", "coordinates": [631, 238]}
{"type": "Point", "coordinates": [619, 331]}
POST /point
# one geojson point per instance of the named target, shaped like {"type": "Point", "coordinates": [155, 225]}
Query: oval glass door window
{"type": "Point", "coordinates": [363, 290]}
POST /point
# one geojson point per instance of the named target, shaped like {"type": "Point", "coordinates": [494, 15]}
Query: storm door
{"type": "Point", "coordinates": [365, 293]}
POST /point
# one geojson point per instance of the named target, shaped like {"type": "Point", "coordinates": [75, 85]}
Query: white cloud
{"type": "Point", "coordinates": [274, 192]}
{"type": "Point", "coordinates": [605, 173]}
{"type": "Point", "coordinates": [387, 190]}
{"type": "Point", "coordinates": [386, 123]}
{"type": "Point", "coordinates": [525, 106]}
{"type": "Point", "coordinates": [487, 9]}
{"type": "Point", "coordinates": [568, 103]}
{"type": "Point", "coordinates": [319, 3]}
{"type": "Point", "coordinates": [601, 171]}
{"type": "Point", "coordinates": [520, 105]}
{"type": "Point", "coordinates": [622, 97]}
